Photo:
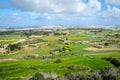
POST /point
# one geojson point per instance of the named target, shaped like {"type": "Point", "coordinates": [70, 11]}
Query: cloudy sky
{"type": "Point", "coordinates": [59, 12]}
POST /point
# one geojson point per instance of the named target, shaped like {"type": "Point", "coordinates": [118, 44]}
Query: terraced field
{"type": "Point", "coordinates": [35, 54]}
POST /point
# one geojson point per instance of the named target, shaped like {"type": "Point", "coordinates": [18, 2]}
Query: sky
{"type": "Point", "coordinates": [21, 13]}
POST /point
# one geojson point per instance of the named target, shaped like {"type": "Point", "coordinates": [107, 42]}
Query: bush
{"type": "Point", "coordinates": [44, 76]}
{"type": "Point", "coordinates": [37, 76]}
{"type": "Point", "coordinates": [95, 75]}
{"type": "Point", "coordinates": [58, 61]}
{"type": "Point", "coordinates": [110, 73]}
{"type": "Point", "coordinates": [107, 73]}
{"type": "Point", "coordinates": [106, 44]}
{"type": "Point", "coordinates": [1, 70]}
{"type": "Point", "coordinates": [77, 67]}
{"type": "Point", "coordinates": [32, 68]}
{"type": "Point", "coordinates": [30, 57]}
{"type": "Point", "coordinates": [114, 61]}
{"type": "Point", "coordinates": [72, 67]}
{"type": "Point", "coordinates": [10, 68]}
{"type": "Point", "coordinates": [71, 76]}
{"type": "Point", "coordinates": [12, 47]}
{"type": "Point", "coordinates": [80, 77]}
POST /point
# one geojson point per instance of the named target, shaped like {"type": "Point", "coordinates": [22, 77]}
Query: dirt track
{"type": "Point", "coordinates": [101, 49]}
{"type": "Point", "coordinates": [8, 59]}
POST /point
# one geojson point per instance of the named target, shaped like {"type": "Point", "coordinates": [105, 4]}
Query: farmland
{"type": "Point", "coordinates": [57, 51]}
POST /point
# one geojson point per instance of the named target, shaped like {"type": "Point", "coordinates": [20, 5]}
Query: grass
{"type": "Point", "coordinates": [78, 38]}
{"type": "Point", "coordinates": [7, 42]}
{"type": "Point", "coordinates": [78, 48]}
{"type": "Point", "coordinates": [106, 54]}
{"type": "Point", "coordinates": [25, 68]}
{"type": "Point", "coordinates": [9, 37]}
{"type": "Point", "coordinates": [50, 66]}
{"type": "Point", "coordinates": [49, 38]}
{"type": "Point", "coordinates": [21, 66]}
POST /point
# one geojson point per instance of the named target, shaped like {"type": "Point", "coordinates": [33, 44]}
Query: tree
{"type": "Point", "coordinates": [12, 47]}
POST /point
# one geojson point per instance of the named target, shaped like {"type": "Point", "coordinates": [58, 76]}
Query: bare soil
{"type": "Point", "coordinates": [101, 49]}
{"type": "Point", "coordinates": [8, 59]}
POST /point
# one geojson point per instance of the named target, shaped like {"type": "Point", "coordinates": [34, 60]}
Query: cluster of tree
{"type": "Point", "coordinates": [12, 47]}
{"type": "Point", "coordinates": [60, 50]}
{"type": "Point", "coordinates": [60, 33]}
{"type": "Point", "coordinates": [102, 74]}
{"type": "Point", "coordinates": [113, 61]}
{"type": "Point", "coordinates": [107, 73]}
{"type": "Point", "coordinates": [27, 33]}
{"type": "Point", "coordinates": [66, 48]}
{"type": "Point", "coordinates": [43, 76]}
{"type": "Point", "coordinates": [34, 32]}
{"type": "Point", "coordinates": [7, 32]}
{"type": "Point", "coordinates": [34, 41]}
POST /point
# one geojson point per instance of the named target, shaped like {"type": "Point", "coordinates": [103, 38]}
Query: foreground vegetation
{"type": "Point", "coordinates": [67, 54]}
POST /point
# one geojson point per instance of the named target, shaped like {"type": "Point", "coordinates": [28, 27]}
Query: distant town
{"type": "Point", "coordinates": [59, 27]}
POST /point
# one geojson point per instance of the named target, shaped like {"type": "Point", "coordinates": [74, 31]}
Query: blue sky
{"type": "Point", "coordinates": [20, 13]}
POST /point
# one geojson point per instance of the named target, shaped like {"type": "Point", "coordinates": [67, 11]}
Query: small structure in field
{"type": "Point", "coordinates": [2, 51]}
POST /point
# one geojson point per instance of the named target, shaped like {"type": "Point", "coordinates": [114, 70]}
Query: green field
{"type": "Point", "coordinates": [10, 37]}
{"type": "Point", "coordinates": [24, 63]}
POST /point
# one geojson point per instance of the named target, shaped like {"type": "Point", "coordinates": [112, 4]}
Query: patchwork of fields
{"type": "Point", "coordinates": [58, 52]}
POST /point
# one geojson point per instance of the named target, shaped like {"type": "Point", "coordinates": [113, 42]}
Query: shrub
{"type": "Point", "coordinates": [58, 61]}
{"type": "Point", "coordinates": [37, 76]}
{"type": "Point", "coordinates": [77, 67]}
{"type": "Point", "coordinates": [80, 77]}
{"type": "Point", "coordinates": [71, 76]}
{"type": "Point", "coordinates": [44, 76]}
{"type": "Point", "coordinates": [30, 57]}
{"type": "Point", "coordinates": [114, 61]}
{"type": "Point", "coordinates": [106, 44]}
{"type": "Point", "coordinates": [1, 70]}
{"type": "Point", "coordinates": [32, 68]}
{"type": "Point", "coordinates": [72, 67]}
{"type": "Point", "coordinates": [12, 47]}
{"type": "Point", "coordinates": [107, 73]}
{"type": "Point", "coordinates": [95, 75]}
{"type": "Point", "coordinates": [110, 73]}
{"type": "Point", "coordinates": [10, 68]}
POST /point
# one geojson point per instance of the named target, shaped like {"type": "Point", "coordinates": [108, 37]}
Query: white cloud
{"type": "Point", "coordinates": [59, 6]}
{"type": "Point", "coordinates": [115, 2]}
{"type": "Point", "coordinates": [49, 17]}
{"type": "Point", "coordinates": [95, 4]}
{"type": "Point", "coordinates": [111, 12]}
{"type": "Point", "coordinates": [36, 5]}
{"type": "Point", "coordinates": [79, 7]}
